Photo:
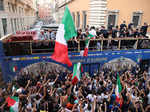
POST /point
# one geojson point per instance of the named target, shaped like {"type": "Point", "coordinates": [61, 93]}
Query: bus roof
{"type": "Point", "coordinates": [6, 37]}
{"type": "Point", "coordinates": [20, 36]}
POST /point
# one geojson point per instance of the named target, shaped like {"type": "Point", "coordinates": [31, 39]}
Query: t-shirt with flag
{"type": "Point", "coordinates": [13, 103]}
{"type": "Point", "coordinates": [65, 32]}
{"type": "Point", "coordinates": [87, 42]}
{"type": "Point", "coordinates": [77, 69]}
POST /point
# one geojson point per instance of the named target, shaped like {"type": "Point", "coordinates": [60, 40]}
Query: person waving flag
{"type": "Point", "coordinates": [13, 103]}
{"type": "Point", "coordinates": [118, 91]}
{"type": "Point", "coordinates": [65, 32]}
{"type": "Point", "coordinates": [77, 70]}
{"type": "Point", "coordinates": [87, 42]}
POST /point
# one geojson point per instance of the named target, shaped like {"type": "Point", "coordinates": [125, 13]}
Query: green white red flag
{"type": "Point", "coordinates": [65, 32]}
{"type": "Point", "coordinates": [77, 69]}
{"type": "Point", "coordinates": [14, 69]}
{"type": "Point", "coordinates": [87, 42]}
{"type": "Point", "coordinates": [118, 90]}
{"type": "Point", "coordinates": [13, 103]}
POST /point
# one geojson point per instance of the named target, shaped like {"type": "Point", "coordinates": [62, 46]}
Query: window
{"type": "Point", "coordinates": [136, 18]}
{"type": "Point", "coordinates": [13, 8]}
{"type": "Point", "coordinates": [18, 24]}
{"type": "Point", "coordinates": [15, 22]}
{"type": "Point", "coordinates": [9, 7]}
{"type": "Point", "coordinates": [78, 20]}
{"type": "Point", "coordinates": [22, 11]}
{"type": "Point", "coordinates": [73, 16]}
{"type": "Point", "coordinates": [21, 24]}
{"type": "Point", "coordinates": [16, 8]}
{"type": "Point", "coordinates": [84, 19]}
{"type": "Point", "coordinates": [111, 20]}
{"type": "Point", "coordinates": [112, 17]}
{"type": "Point", "coordinates": [1, 4]}
{"type": "Point", "coordinates": [4, 23]}
{"type": "Point", "coordinates": [12, 26]}
{"type": "Point", "coordinates": [19, 10]}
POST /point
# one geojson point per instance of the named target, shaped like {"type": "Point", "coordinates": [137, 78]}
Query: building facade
{"type": "Point", "coordinates": [104, 12]}
{"type": "Point", "coordinates": [16, 15]}
{"type": "Point", "coordinates": [45, 10]}
{"type": "Point", "coordinates": [135, 11]}
{"type": "Point", "coordinates": [79, 10]}
{"type": "Point", "coordinates": [84, 12]}
{"type": "Point", "coordinates": [59, 10]}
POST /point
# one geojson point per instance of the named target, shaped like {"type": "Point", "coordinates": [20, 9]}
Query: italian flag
{"type": "Point", "coordinates": [118, 90]}
{"type": "Point", "coordinates": [77, 69]}
{"type": "Point", "coordinates": [87, 42]}
{"type": "Point", "coordinates": [14, 68]}
{"type": "Point", "coordinates": [65, 32]}
{"type": "Point", "coordinates": [13, 103]}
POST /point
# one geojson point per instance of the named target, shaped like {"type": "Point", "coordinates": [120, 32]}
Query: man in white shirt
{"type": "Point", "coordinates": [92, 31]}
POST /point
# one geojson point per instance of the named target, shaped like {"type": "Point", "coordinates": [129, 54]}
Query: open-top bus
{"type": "Point", "coordinates": [19, 54]}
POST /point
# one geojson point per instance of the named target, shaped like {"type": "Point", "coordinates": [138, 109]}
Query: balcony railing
{"type": "Point", "coordinates": [47, 46]}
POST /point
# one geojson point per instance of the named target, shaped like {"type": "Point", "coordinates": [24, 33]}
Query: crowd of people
{"type": "Point", "coordinates": [123, 30]}
{"type": "Point", "coordinates": [56, 92]}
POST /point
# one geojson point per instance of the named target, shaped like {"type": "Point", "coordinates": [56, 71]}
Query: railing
{"type": "Point", "coordinates": [47, 46]}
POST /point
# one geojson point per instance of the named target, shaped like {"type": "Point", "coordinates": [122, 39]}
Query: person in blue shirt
{"type": "Point", "coordinates": [123, 28]}
{"type": "Point", "coordinates": [144, 29]}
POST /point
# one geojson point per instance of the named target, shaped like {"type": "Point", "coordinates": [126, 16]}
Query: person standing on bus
{"type": "Point", "coordinates": [46, 35]}
{"type": "Point", "coordinates": [114, 32]}
{"type": "Point", "coordinates": [136, 33]}
{"type": "Point", "coordinates": [130, 30]}
{"type": "Point", "coordinates": [144, 30]}
{"type": "Point", "coordinates": [42, 36]}
{"type": "Point", "coordinates": [110, 28]}
{"type": "Point", "coordinates": [123, 28]}
{"type": "Point", "coordinates": [104, 32]}
{"type": "Point", "coordinates": [53, 35]}
{"type": "Point", "coordinates": [93, 31]}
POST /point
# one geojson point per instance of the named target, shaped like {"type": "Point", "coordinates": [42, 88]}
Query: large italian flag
{"type": "Point", "coordinates": [65, 32]}
{"type": "Point", "coordinates": [87, 42]}
{"type": "Point", "coordinates": [118, 90]}
{"type": "Point", "coordinates": [77, 69]}
{"type": "Point", "coordinates": [13, 103]}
